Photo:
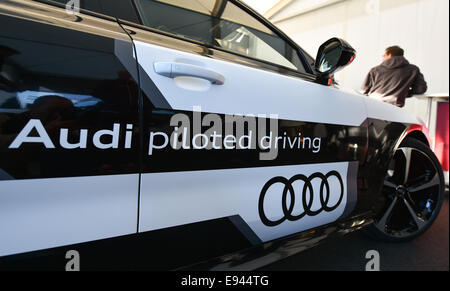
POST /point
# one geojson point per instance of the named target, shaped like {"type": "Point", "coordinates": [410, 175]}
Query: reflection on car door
{"type": "Point", "coordinates": [67, 104]}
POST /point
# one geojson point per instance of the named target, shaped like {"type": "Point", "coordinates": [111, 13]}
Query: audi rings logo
{"type": "Point", "coordinates": [307, 198]}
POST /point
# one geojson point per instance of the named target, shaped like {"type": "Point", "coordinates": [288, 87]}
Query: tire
{"type": "Point", "coordinates": [414, 191]}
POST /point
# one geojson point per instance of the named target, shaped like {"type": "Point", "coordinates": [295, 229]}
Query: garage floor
{"type": "Point", "coordinates": [428, 252]}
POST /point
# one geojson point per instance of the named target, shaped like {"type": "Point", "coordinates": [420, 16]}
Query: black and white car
{"type": "Point", "coordinates": [165, 134]}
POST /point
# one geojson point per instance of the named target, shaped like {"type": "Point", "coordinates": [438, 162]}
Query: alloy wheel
{"type": "Point", "coordinates": [413, 192]}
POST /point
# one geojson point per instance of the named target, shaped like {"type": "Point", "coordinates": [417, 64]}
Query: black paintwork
{"type": "Point", "coordinates": [270, 252]}
{"type": "Point", "coordinates": [76, 55]}
{"type": "Point", "coordinates": [336, 140]}
{"type": "Point", "coordinates": [56, 62]}
{"type": "Point", "coordinates": [162, 250]}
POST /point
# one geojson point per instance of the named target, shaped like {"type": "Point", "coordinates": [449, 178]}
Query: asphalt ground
{"type": "Point", "coordinates": [429, 252]}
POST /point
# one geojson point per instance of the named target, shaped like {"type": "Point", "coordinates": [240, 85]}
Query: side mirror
{"type": "Point", "coordinates": [333, 55]}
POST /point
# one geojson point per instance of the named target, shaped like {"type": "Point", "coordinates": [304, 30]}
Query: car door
{"type": "Point", "coordinates": [241, 146]}
{"type": "Point", "coordinates": [69, 167]}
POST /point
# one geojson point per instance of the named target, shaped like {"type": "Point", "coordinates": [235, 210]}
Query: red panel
{"type": "Point", "coordinates": [441, 144]}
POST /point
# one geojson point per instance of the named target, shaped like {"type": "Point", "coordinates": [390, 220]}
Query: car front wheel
{"type": "Point", "coordinates": [413, 190]}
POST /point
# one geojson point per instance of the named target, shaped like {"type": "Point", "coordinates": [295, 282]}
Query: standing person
{"type": "Point", "coordinates": [394, 79]}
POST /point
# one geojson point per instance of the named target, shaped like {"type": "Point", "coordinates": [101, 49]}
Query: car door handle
{"type": "Point", "coordinates": [173, 70]}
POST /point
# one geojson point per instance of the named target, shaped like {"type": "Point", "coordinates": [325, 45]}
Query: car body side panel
{"type": "Point", "coordinates": [226, 193]}
{"type": "Point", "coordinates": [161, 198]}
{"type": "Point", "coordinates": [249, 91]}
{"type": "Point", "coordinates": [388, 112]}
{"type": "Point", "coordinates": [60, 86]}
{"type": "Point", "coordinates": [188, 185]}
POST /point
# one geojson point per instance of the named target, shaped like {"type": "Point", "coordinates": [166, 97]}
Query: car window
{"type": "Point", "coordinates": [222, 24]}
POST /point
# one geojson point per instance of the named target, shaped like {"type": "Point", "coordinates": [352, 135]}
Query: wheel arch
{"type": "Point", "coordinates": [417, 131]}
{"type": "Point", "coordinates": [419, 135]}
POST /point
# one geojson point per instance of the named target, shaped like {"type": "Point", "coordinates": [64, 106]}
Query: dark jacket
{"type": "Point", "coordinates": [394, 80]}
